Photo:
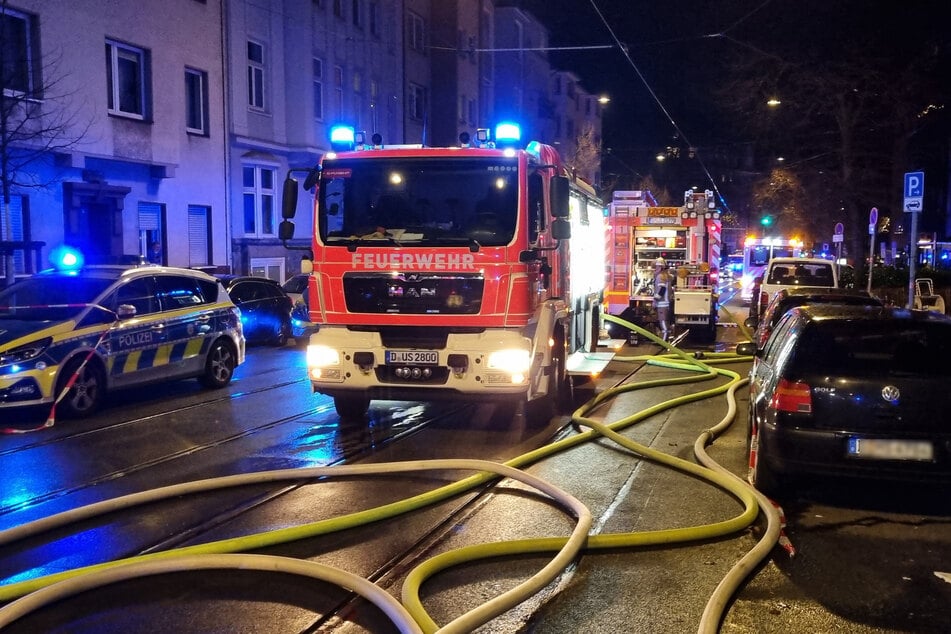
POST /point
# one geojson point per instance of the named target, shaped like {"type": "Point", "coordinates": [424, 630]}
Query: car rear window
{"type": "Point", "coordinates": [874, 348]}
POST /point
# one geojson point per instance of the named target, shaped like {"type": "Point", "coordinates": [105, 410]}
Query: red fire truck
{"type": "Point", "coordinates": [687, 238]}
{"type": "Point", "coordinates": [472, 272]}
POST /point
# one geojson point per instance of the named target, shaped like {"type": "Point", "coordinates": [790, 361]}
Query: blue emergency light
{"type": "Point", "coordinates": [66, 258]}
{"type": "Point", "coordinates": [507, 133]}
{"type": "Point", "coordinates": [342, 137]}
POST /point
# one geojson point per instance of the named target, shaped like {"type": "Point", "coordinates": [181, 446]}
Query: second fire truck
{"type": "Point", "coordinates": [686, 237]}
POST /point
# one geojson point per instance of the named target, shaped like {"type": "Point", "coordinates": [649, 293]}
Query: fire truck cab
{"type": "Point", "coordinates": [472, 272]}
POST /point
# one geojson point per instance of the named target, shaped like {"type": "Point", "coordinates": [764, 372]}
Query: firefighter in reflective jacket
{"type": "Point", "coordinates": [663, 295]}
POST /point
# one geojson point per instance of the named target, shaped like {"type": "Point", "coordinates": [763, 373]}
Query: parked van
{"type": "Point", "coordinates": [796, 272]}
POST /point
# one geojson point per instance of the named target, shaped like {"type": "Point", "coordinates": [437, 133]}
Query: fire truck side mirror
{"type": "Point", "coordinates": [560, 229]}
{"type": "Point", "coordinates": [285, 230]}
{"type": "Point", "coordinates": [559, 196]}
{"type": "Point", "coordinates": [289, 198]}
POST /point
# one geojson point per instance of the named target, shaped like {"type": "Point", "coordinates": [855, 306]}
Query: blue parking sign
{"type": "Point", "coordinates": [914, 191]}
{"type": "Point", "coordinates": [914, 184]}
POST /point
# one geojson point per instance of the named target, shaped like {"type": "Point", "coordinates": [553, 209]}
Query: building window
{"type": "Point", "coordinates": [16, 52]}
{"type": "Point", "coordinates": [416, 108]}
{"type": "Point", "coordinates": [256, 75]}
{"type": "Point", "coordinates": [416, 32]}
{"type": "Point", "coordinates": [125, 74]}
{"type": "Point", "coordinates": [199, 235]}
{"type": "Point", "coordinates": [196, 101]}
{"type": "Point", "coordinates": [357, 9]}
{"type": "Point", "coordinates": [338, 90]}
{"type": "Point", "coordinates": [374, 17]}
{"type": "Point", "coordinates": [258, 200]}
{"type": "Point", "coordinates": [318, 89]}
{"type": "Point", "coordinates": [338, 8]}
{"type": "Point", "coordinates": [151, 237]}
{"type": "Point", "coordinates": [15, 226]}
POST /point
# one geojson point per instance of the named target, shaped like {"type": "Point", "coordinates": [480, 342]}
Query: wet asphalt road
{"type": "Point", "coordinates": [868, 559]}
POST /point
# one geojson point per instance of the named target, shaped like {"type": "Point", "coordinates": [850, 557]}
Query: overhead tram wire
{"type": "Point", "coordinates": [657, 100]}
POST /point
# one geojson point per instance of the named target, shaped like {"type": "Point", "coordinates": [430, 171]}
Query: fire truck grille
{"type": "Point", "coordinates": [414, 293]}
{"type": "Point", "coordinates": [428, 338]}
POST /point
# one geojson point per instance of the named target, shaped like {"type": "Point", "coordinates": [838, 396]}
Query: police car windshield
{"type": "Point", "coordinates": [391, 202]}
{"type": "Point", "coordinates": [50, 297]}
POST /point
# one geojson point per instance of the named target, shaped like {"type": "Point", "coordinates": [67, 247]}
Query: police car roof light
{"type": "Point", "coordinates": [66, 258]}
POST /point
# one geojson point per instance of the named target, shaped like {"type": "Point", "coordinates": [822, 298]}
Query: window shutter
{"type": "Point", "coordinates": [150, 215]}
{"type": "Point", "coordinates": [15, 231]}
{"type": "Point", "coordinates": [197, 236]}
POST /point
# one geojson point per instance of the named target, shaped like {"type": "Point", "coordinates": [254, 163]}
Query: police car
{"type": "Point", "coordinates": [110, 327]}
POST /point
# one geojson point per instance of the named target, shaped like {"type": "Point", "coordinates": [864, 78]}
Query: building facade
{"type": "Point", "coordinates": [162, 130]}
{"type": "Point", "coordinates": [117, 128]}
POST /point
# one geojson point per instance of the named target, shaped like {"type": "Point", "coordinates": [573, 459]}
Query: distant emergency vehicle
{"type": "Point", "coordinates": [687, 238]}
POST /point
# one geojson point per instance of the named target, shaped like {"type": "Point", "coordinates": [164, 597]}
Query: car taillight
{"type": "Point", "coordinates": [792, 396]}
{"type": "Point", "coordinates": [763, 301]}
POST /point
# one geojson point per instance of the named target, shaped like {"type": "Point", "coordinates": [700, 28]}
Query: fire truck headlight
{"type": "Point", "coordinates": [322, 357]}
{"type": "Point", "coordinates": [513, 361]}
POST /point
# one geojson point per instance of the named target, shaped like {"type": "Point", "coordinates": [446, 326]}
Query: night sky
{"type": "Point", "coordinates": [680, 47]}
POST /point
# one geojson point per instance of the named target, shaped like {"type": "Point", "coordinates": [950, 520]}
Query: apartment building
{"type": "Point", "coordinates": [167, 127]}
{"type": "Point", "coordinates": [116, 122]}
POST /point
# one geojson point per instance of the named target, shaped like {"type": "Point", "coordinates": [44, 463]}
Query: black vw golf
{"type": "Point", "coordinates": [851, 391]}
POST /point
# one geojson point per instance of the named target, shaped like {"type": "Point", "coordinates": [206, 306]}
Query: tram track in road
{"type": "Point", "coordinates": [122, 425]}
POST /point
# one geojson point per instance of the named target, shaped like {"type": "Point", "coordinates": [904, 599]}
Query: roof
{"type": "Point", "coordinates": [830, 312]}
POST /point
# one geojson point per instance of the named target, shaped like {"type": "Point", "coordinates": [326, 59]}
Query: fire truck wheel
{"type": "Point", "coordinates": [351, 408]}
{"type": "Point", "coordinates": [505, 411]}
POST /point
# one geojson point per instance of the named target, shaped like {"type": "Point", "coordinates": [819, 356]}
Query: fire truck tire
{"type": "Point", "coordinates": [351, 408]}
{"type": "Point", "coordinates": [540, 411]}
{"type": "Point", "coordinates": [86, 394]}
{"type": "Point", "coordinates": [505, 411]}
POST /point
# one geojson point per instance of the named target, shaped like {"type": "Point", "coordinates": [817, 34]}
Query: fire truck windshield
{"type": "Point", "coordinates": [422, 201]}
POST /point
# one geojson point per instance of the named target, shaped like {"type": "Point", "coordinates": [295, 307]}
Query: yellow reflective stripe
{"type": "Point", "coordinates": [194, 347]}
{"type": "Point", "coordinates": [162, 355]}
{"type": "Point", "coordinates": [132, 362]}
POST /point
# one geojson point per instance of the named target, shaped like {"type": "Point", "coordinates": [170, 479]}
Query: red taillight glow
{"type": "Point", "coordinates": [792, 396]}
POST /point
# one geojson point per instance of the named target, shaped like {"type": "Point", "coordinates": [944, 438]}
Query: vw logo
{"type": "Point", "coordinates": [890, 393]}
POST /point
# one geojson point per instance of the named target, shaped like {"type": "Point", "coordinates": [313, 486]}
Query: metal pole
{"type": "Point", "coordinates": [912, 258]}
{"type": "Point", "coordinates": [871, 255]}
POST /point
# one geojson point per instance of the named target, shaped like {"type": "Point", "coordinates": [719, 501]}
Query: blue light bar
{"type": "Point", "coordinates": [65, 258]}
{"type": "Point", "coordinates": [508, 133]}
{"type": "Point", "coordinates": [342, 137]}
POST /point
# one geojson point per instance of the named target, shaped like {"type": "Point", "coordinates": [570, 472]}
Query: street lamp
{"type": "Point", "coordinates": [773, 102]}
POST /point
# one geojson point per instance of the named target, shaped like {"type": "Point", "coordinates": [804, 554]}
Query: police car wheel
{"type": "Point", "coordinates": [280, 340]}
{"type": "Point", "coordinates": [219, 366]}
{"type": "Point", "coordinates": [85, 395]}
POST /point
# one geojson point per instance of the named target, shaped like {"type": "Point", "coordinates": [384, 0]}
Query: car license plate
{"type": "Point", "coordinates": [891, 449]}
{"type": "Point", "coordinates": [412, 357]}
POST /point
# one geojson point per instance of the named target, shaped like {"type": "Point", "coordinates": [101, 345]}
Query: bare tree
{"type": "Point", "coordinates": [844, 127]}
{"type": "Point", "coordinates": [584, 158]}
{"type": "Point", "coordinates": [39, 117]}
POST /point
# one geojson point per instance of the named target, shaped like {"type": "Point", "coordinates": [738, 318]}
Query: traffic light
{"type": "Point", "coordinates": [766, 220]}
